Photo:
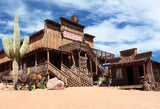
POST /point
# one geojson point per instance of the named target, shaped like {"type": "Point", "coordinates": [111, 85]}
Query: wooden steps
{"type": "Point", "coordinates": [83, 47]}
{"type": "Point", "coordinates": [71, 79]}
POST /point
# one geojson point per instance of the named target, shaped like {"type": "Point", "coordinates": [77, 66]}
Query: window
{"type": "Point", "coordinates": [119, 74]}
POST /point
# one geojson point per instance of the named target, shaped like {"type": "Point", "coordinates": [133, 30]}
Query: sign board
{"type": "Point", "coordinates": [72, 36]}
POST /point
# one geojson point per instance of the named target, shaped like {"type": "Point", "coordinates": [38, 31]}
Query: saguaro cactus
{"type": "Point", "coordinates": [13, 50]}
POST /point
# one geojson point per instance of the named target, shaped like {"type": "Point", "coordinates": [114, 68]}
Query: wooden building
{"type": "Point", "coordinates": [61, 50]}
{"type": "Point", "coordinates": [133, 68]}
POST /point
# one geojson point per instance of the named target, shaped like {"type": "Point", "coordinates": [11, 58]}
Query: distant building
{"type": "Point", "coordinates": [131, 68]}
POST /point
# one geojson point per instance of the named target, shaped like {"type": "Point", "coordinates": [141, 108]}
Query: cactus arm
{"type": "Point", "coordinates": [6, 45]}
{"type": "Point", "coordinates": [16, 42]}
{"type": "Point", "coordinates": [24, 46]}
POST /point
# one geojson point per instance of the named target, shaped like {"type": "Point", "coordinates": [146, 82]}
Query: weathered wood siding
{"type": "Point", "coordinates": [156, 71]}
{"type": "Point", "coordinates": [34, 43]}
{"type": "Point", "coordinates": [52, 37]}
{"type": "Point", "coordinates": [89, 41]}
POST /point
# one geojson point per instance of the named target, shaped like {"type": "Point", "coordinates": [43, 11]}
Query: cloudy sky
{"type": "Point", "coordinates": [117, 24]}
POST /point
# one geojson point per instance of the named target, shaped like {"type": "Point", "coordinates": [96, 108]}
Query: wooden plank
{"type": "Point", "coordinates": [90, 66]}
{"type": "Point", "coordinates": [61, 61]}
{"type": "Point", "coordinates": [144, 71]}
{"type": "Point", "coordinates": [79, 59]}
{"type": "Point", "coordinates": [131, 86]}
{"type": "Point", "coordinates": [36, 62]}
{"type": "Point", "coordinates": [73, 59]}
{"type": "Point", "coordinates": [96, 65]}
{"type": "Point", "coordinates": [48, 56]}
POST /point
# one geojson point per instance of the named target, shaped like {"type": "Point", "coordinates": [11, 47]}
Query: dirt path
{"type": "Point", "coordinates": [80, 98]}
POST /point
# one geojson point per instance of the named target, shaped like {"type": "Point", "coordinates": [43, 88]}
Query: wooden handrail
{"type": "Point", "coordinates": [79, 76]}
{"type": "Point", "coordinates": [80, 45]}
{"type": "Point", "coordinates": [70, 73]}
{"type": "Point", "coordinates": [61, 75]}
{"type": "Point", "coordinates": [83, 75]}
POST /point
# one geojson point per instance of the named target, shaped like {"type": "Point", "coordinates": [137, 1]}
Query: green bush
{"type": "Point", "coordinates": [102, 80]}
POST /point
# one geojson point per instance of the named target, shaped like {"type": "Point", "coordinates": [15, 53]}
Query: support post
{"type": "Point", "coordinates": [35, 62]}
{"type": "Point", "coordinates": [47, 56]}
{"type": "Point", "coordinates": [109, 76]}
{"type": "Point", "coordinates": [73, 59]}
{"type": "Point", "coordinates": [61, 61]}
{"type": "Point", "coordinates": [96, 64]}
{"type": "Point", "coordinates": [48, 63]}
{"type": "Point", "coordinates": [86, 69]}
{"type": "Point", "coordinates": [79, 59]}
{"type": "Point", "coordinates": [10, 65]}
{"type": "Point", "coordinates": [144, 71]}
{"type": "Point", "coordinates": [90, 65]}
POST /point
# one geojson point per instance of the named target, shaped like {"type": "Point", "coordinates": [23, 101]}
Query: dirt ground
{"type": "Point", "coordinates": [80, 98]}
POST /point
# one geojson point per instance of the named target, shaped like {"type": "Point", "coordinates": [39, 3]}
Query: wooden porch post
{"type": "Point", "coordinates": [86, 69]}
{"type": "Point", "coordinates": [90, 65]}
{"type": "Point", "coordinates": [73, 59]}
{"type": "Point", "coordinates": [109, 75]}
{"type": "Point", "coordinates": [96, 64]}
{"type": "Point", "coordinates": [35, 62]}
{"type": "Point", "coordinates": [79, 59]}
{"type": "Point", "coordinates": [144, 70]}
{"type": "Point", "coordinates": [61, 61]}
{"type": "Point", "coordinates": [48, 62]}
{"type": "Point", "coordinates": [47, 56]}
{"type": "Point", "coordinates": [10, 65]}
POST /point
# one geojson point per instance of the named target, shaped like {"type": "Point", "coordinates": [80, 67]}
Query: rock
{"type": "Point", "coordinates": [55, 84]}
{"type": "Point", "coordinates": [147, 86]}
{"type": "Point", "coordinates": [10, 88]}
{"type": "Point", "coordinates": [4, 87]}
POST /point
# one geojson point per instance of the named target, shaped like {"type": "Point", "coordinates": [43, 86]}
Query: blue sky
{"type": "Point", "coordinates": [117, 24]}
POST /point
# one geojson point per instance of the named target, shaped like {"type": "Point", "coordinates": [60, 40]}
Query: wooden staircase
{"type": "Point", "coordinates": [83, 47]}
{"type": "Point", "coordinates": [71, 79]}
{"type": "Point", "coordinates": [81, 77]}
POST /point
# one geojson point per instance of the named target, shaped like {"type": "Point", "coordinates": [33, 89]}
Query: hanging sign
{"type": "Point", "coordinates": [72, 36]}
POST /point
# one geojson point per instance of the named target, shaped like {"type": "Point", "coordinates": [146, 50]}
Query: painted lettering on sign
{"type": "Point", "coordinates": [72, 36]}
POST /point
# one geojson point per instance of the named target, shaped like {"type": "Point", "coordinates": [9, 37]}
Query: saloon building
{"type": "Point", "coordinates": [61, 50]}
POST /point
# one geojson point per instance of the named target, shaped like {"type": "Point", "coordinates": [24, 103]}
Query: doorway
{"type": "Point", "coordinates": [130, 75]}
{"type": "Point", "coordinates": [55, 59]}
{"type": "Point", "coordinates": [141, 71]}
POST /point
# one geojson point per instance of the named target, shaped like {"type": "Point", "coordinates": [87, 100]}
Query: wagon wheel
{"type": "Point", "coordinates": [32, 86]}
{"type": "Point", "coordinates": [18, 85]}
{"type": "Point", "coordinates": [44, 82]}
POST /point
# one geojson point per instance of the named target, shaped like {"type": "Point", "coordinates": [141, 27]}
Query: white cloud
{"type": "Point", "coordinates": [146, 12]}
{"type": "Point", "coordinates": [30, 20]}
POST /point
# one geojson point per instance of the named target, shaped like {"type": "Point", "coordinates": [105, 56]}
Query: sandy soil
{"type": "Point", "coordinates": [80, 98]}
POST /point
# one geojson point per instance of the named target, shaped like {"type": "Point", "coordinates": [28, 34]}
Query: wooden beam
{"type": "Point", "coordinates": [79, 59]}
{"type": "Point", "coordinates": [10, 65]}
{"type": "Point", "coordinates": [109, 77]}
{"type": "Point", "coordinates": [96, 65]}
{"type": "Point", "coordinates": [86, 69]}
{"type": "Point", "coordinates": [90, 62]}
{"type": "Point", "coordinates": [48, 56]}
{"type": "Point", "coordinates": [61, 61]}
{"type": "Point", "coordinates": [73, 59]}
{"type": "Point", "coordinates": [36, 62]}
{"type": "Point", "coordinates": [144, 70]}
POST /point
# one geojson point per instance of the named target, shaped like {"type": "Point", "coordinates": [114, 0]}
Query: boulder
{"type": "Point", "coordinates": [4, 87]}
{"type": "Point", "coordinates": [55, 84]}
